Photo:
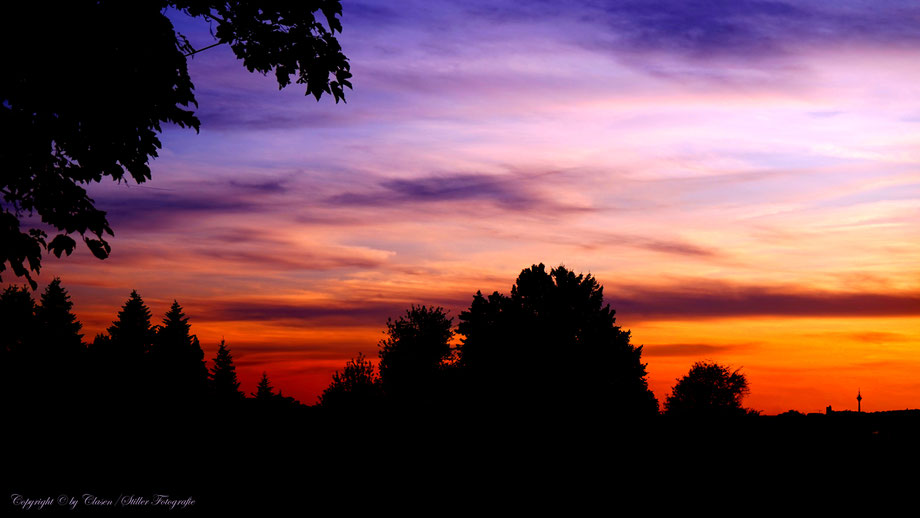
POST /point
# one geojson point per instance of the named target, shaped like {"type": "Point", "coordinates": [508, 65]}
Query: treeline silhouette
{"type": "Point", "coordinates": [531, 393]}
{"type": "Point", "coordinates": [135, 363]}
{"type": "Point", "coordinates": [551, 345]}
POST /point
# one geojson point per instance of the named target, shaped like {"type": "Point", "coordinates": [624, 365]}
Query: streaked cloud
{"type": "Point", "coordinates": [718, 300]}
{"type": "Point", "coordinates": [350, 312]}
{"type": "Point", "coordinates": [695, 351]}
{"type": "Point", "coordinates": [507, 192]}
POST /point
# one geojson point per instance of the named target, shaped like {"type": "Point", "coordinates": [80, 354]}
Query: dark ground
{"type": "Point", "coordinates": [309, 463]}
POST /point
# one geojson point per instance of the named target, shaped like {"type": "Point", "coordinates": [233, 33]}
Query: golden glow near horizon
{"type": "Point", "coordinates": [760, 211]}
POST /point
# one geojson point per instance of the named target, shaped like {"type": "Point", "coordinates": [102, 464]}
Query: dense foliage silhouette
{"type": "Point", "coordinates": [357, 386]}
{"type": "Point", "coordinates": [90, 84]}
{"type": "Point", "coordinates": [413, 354]}
{"type": "Point", "coordinates": [552, 342]}
{"type": "Point", "coordinates": [709, 389]}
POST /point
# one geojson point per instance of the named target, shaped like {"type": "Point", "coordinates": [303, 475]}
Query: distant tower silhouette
{"type": "Point", "coordinates": [858, 401]}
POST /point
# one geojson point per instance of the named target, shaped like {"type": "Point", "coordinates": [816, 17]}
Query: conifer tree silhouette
{"type": "Point", "coordinates": [264, 390]}
{"type": "Point", "coordinates": [58, 327]}
{"type": "Point", "coordinates": [59, 346]}
{"type": "Point", "coordinates": [122, 370]}
{"type": "Point", "coordinates": [131, 334]}
{"type": "Point", "coordinates": [266, 397]}
{"type": "Point", "coordinates": [177, 359]}
{"type": "Point", "coordinates": [224, 383]}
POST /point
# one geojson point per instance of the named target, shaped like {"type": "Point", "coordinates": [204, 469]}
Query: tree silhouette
{"type": "Point", "coordinates": [121, 370]}
{"type": "Point", "coordinates": [106, 120]}
{"type": "Point", "coordinates": [356, 386]}
{"type": "Point", "coordinates": [58, 326]}
{"type": "Point", "coordinates": [709, 389]}
{"type": "Point", "coordinates": [264, 391]}
{"type": "Point", "coordinates": [266, 397]}
{"type": "Point", "coordinates": [412, 354]}
{"type": "Point", "coordinates": [553, 342]}
{"type": "Point", "coordinates": [225, 385]}
{"type": "Point", "coordinates": [58, 347]}
{"type": "Point", "coordinates": [177, 359]}
{"type": "Point", "coordinates": [131, 335]}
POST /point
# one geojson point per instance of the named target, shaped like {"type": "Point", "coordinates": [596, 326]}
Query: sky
{"type": "Point", "coordinates": [742, 177]}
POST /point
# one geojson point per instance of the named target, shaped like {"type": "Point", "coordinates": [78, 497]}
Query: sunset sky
{"type": "Point", "coordinates": [742, 177]}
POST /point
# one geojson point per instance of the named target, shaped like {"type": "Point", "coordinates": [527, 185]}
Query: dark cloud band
{"type": "Point", "coordinates": [716, 301]}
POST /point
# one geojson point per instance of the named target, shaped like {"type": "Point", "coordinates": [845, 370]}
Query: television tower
{"type": "Point", "coordinates": [858, 401]}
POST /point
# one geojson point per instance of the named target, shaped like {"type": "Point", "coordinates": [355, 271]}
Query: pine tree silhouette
{"type": "Point", "coordinates": [59, 347]}
{"type": "Point", "coordinates": [119, 359]}
{"type": "Point", "coordinates": [59, 328]}
{"type": "Point", "coordinates": [224, 383]}
{"type": "Point", "coordinates": [177, 359]}
{"type": "Point", "coordinates": [132, 334]}
{"type": "Point", "coordinates": [264, 391]}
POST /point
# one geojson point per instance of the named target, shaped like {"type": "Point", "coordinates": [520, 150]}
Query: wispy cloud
{"type": "Point", "coordinates": [288, 260]}
{"type": "Point", "coordinates": [653, 244]}
{"type": "Point", "coordinates": [692, 350]}
{"type": "Point", "coordinates": [508, 192]}
{"type": "Point", "coordinates": [355, 312]}
{"type": "Point", "coordinates": [873, 337]}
